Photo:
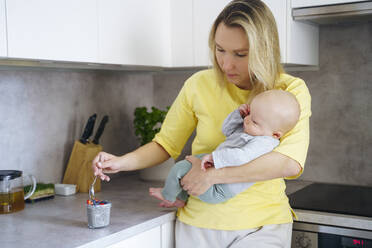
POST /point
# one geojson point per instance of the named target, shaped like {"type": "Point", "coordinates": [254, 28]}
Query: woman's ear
{"type": "Point", "coordinates": [277, 134]}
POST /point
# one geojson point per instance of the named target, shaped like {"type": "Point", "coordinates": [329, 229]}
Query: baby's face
{"type": "Point", "coordinates": [255, 123]}
{"type": "Point", "coordinates": [272, 113]}
{"type": "Point", "coordinates": [259, 121]}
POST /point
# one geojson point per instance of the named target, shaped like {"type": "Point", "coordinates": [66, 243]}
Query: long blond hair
{"type": "Point", "coordinates": [256, 19]}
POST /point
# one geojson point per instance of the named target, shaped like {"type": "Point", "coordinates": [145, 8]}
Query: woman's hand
{"type": "Point", "coordinates": [196, 181]}
{"type": "Point", "coordinates": [145, 156]}
{"type": "Point", "coordinates": [105, 163]}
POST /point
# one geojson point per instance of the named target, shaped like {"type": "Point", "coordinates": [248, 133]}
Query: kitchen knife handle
{"type": "Point", "coordinates": [88, 130]}
{"type": "Point", "coordinates": [100, 129]}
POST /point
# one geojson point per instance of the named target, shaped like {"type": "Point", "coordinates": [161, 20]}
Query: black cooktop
{"type": "Point", "coordinates": [334, 198]}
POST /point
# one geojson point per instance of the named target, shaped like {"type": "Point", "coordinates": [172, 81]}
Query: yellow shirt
{"type": "Point", "coordinates": [203, 104]}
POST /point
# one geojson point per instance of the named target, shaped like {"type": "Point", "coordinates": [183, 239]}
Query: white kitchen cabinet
{"type": "Point", "coordinates": [167, 235]}
{"type": "Point", "coordinates": [279, 10]}
{"type": "Point", "coordinates": [150, 238]}
{"type": "Point", "coordinates": [157, 237]}
{"type": "Point", "coordinates": [134, 32]}
{"type": "Point", "coordinates": [158, 33]}
{"type": "Point", "coordinates": [181, 34]}
{"type": "Point", "coordinates": [162, 33]}
{"type": "Point", "coordinates": [3, 42]}
{"type": "Point", "coordinates": [52, 30]}
{"type": "Point", "coordinates": [204, 14]}
{"type": "Point", "coordinates": [298, 41]}
{"type": "Point", "coordinates": [311, 3]}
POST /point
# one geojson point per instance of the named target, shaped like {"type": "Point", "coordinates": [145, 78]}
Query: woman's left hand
{"type": "Point", "coordinates": [196, 181]}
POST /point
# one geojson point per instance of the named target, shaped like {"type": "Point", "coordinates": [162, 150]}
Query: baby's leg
{"type": "Point", "coordinates": [172, 195]}
{"type": "Point", "coordinates": [218, 193]}
{"type": "Point", "coordinates": [172, 187]}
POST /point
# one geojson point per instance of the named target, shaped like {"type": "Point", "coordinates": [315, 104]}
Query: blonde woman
{"type": "Point", "coordinates": [245, 48]}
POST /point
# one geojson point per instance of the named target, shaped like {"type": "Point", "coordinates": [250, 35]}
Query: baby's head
{"type": "Point", "coordinates": [272, 113]}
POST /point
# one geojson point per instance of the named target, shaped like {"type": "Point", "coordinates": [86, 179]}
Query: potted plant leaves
{"type": "Point", "coordinates": [146, 125]}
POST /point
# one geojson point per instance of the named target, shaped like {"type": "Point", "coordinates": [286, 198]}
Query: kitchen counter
{"type": "Point", "coordinates": [62, 221]}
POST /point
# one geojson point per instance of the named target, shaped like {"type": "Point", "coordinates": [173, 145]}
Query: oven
{"type": "Point", "coordinates": [310, 235]}
{"type": "Point", "coordinates": [331, 215]}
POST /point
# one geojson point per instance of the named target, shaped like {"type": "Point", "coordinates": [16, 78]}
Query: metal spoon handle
{"type": "Point", "coordinates": [94, 181]}
{"type": "Point", "coordinates": [91, 190]}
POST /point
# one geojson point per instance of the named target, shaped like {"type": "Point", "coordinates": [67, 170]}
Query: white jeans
{"type": "Point", "coordinates": [269, 236]}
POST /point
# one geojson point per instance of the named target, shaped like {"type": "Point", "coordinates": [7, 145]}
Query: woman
{"type": "Point", "coordinates": [246, 56]}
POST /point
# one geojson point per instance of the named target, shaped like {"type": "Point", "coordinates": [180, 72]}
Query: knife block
{"type": "Point", "coordinates": [79, 168]}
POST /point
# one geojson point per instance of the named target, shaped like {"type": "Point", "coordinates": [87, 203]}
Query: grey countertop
{"type": "Point", "coordinates": [62, 221]}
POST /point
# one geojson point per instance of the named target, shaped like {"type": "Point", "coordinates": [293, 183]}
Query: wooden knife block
{"type": "Point", "coordinates": [79, 168]}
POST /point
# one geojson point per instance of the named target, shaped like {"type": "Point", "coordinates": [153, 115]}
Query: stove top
{"type": "Point", "coordinates": [334, 198]}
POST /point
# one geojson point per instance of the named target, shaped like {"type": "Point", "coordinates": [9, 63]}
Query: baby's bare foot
{"type": "Point", "coordinates": [156, 192]}
{"type": "Point", "coordinates": [167, 204]}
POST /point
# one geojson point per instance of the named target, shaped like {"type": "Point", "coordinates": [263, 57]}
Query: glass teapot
{"type": "Point", "coordinates": [12, 198]}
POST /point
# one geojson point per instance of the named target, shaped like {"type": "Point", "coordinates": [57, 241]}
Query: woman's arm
{"type": "Point", "coordinates": [269, 166]}
{"type": "Point", "coordinates": [145, 156]}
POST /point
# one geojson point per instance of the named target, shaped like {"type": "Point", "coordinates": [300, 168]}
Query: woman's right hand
{"type": "Point", "coordinates": [105, 163]}
{"type": "Point", "coordinates": [145, 156]}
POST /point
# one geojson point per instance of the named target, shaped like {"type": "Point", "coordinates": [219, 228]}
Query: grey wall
{"type": "Point", "coordinates": [44, 111]}
{"type": "Point", "coordinates": [341, 125]}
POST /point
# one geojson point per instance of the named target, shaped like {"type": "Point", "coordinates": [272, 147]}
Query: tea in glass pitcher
{"type": "Point", "coordinates": [12, 197]}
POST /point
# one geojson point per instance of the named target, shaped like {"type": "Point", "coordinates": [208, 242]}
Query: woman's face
{"type": "Point", "coordinates": [232, 54]}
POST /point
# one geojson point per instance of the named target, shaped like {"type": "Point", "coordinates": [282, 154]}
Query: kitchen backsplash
{"type": "Point", "coordinates": [341, 125]}
{"type": "Point", "coordinates": [44, 111]}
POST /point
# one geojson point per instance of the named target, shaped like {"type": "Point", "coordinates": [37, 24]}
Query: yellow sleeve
{"type": "Point", "coordinates": [179, 123]}
{"type": "Point", "coordinates": [296, 142]}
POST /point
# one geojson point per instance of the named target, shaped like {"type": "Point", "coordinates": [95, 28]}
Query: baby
{"type": "Point", "coordinates": [251, 131]}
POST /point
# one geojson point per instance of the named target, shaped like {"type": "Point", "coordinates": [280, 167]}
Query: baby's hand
{"type": "Point", "coordinates": [244, 110]}
{"type": "Point", "coordinates": [207, 162]}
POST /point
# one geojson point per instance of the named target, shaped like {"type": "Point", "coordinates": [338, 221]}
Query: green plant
{"type": "Point", "coordinates": [147, 123]}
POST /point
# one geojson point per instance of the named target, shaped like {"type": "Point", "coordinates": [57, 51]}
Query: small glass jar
{"type": "Point", "coordinates": [98, 215]}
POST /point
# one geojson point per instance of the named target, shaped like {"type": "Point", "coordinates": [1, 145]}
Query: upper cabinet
{"type": "Point", "coordinates": [181, 34]}
{"type": "Point", "coordinates": [204, 14]}
{"type": "Point", "coordinates": [3, 45]}
{"type": "Point", "coordinates": [150, 33]}
{"type": "Point", "coordinates": [162, 33]}
{"type": "Point", "coordinates": [310, 3]}
{"type": "Point", "coordinates": [299, 42]}
{"type": "Point", "coordinates": [133, 32]}
{"type": "Point", "coordinates": [52, 30]}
